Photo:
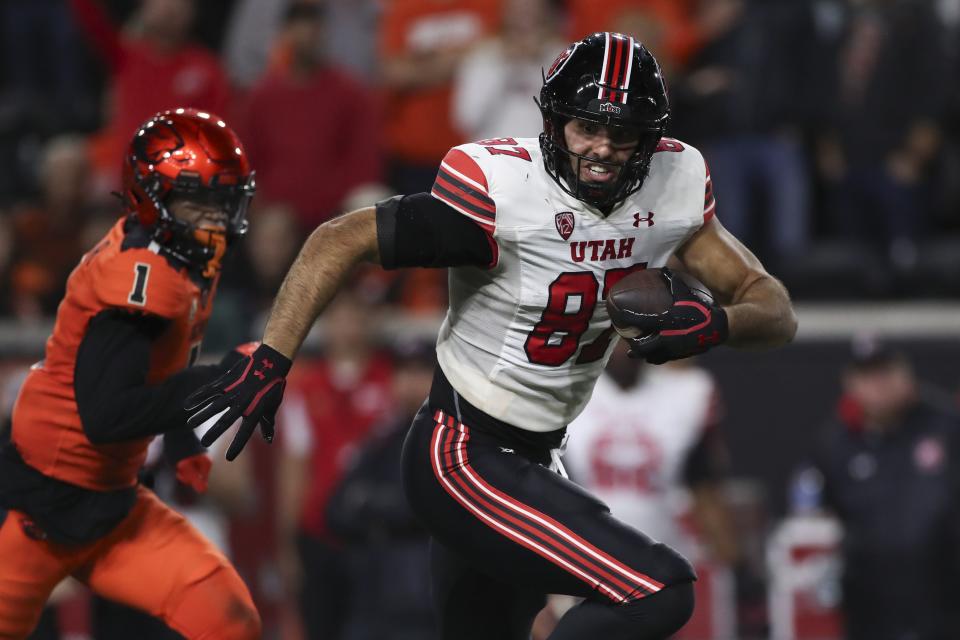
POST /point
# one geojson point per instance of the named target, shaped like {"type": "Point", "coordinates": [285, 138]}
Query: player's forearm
{"type": "Point", "coordinates": [142, 411]}
{"type": "Point", "coordinates": [114, 401]}
{"type": "Point", "coordinates": [325, 260]}
{"type": "Point", "coordinates": [761, 314]}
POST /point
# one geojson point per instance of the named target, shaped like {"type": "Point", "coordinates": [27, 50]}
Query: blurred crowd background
{"type": "Point", "coordinates": [832, 130]}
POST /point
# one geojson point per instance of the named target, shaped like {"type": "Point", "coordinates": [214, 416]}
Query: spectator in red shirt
{"type": "Point", "coordinates": [154, 66]}
{"type": "Point", "coordinates": [309, 126]}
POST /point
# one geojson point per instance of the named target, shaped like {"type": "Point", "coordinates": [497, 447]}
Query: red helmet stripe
{"type": "Point", "coordinates": [618, 67]}
{"type": "Point", "coordinates": [626, 78]}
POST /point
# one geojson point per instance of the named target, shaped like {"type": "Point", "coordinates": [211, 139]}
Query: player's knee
{"type": "Point", "coordinates": [662, 614]}
{"type": "Point", "coordinates": [677, 606]}
{"type": "Point", "coordinates": [217, 609]}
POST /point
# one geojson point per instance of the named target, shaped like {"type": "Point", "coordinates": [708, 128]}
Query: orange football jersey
{"type": "Point", "coordinates": [46, 424]}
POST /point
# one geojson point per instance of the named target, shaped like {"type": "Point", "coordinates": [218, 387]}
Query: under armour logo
{"type": "Point", "coordinates": [265, 364]}
{"type": "Point", "coordinates": [637, 219]}
{"type": "Point", "coordinates": [506, 450]}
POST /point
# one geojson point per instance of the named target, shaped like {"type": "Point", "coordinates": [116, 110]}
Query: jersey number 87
{"type": "Point", "coordinates": [556, 337]}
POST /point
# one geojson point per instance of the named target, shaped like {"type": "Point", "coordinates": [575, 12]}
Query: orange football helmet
{"type": "Point", "coordinates": [194, 155]}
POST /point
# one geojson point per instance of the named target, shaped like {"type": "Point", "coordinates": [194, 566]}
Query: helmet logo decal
{"type": "Point", "coordinates": [564, 222]}
{"type": "Point", "coordinates": [617, 67]}
{"type": "Point", "coordinates": [561, 61]}
{"type": "Point", "coordinates": [608, 107]}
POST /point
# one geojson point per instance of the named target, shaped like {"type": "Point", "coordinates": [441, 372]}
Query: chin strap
{"type": "Point", "coordinates": [215, 239]}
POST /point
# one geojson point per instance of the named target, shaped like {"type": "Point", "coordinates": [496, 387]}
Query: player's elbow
{"type": "Point", "coordinates": [99, 432]}
{"type": "Point", "coordinates": [771, 295]}
{"type": "Point", "coordinates": [110, 423]}
{"type": "Point", "coordinates": [94, 435]}
{"type": "Point", "coordinates": [787, 323]}
{"type": "Point", "coordinates": [350, 237]}
{"type": "Point", "coordinates": [790, 324]}
{"type": "Point", "coordinates": [97, 426]}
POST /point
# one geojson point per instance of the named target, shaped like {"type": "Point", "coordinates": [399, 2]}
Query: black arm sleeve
{"type": "Point", "coordinates": [110, 380]}
{"type": "Point", "coordinates": [181, 444]}
{"type": "Point", "coordinates": [420, 231]}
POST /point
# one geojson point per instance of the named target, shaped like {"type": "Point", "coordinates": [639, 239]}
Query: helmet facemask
{"type": "Point", "coordinates": [202, 244]}
{"type": "Point", "coordinates": [564, 165]}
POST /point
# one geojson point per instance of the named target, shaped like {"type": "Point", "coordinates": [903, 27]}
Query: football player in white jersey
{"type": "Point", "coordinates": [647, 435]}
{"type": "Point", "coordinates": [648, 444]}
{"type": "Point", "coordinates": [535, 232]}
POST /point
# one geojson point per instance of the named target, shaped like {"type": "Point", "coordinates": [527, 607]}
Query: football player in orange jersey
{"type": "Point", "coordinates": [115, 374]}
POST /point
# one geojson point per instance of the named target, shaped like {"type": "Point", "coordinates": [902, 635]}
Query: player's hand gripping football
{"type": "Point", "coordinates": [251, 389]}
{"type": "Point", "coordinates": [691, 325]}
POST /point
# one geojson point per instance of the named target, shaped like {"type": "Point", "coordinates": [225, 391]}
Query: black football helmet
{"type": "Point", "coordinates": [612, 80]}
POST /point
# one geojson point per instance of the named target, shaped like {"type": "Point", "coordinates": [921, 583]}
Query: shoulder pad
{"type": "Point", "coordinates": [142, 281]}
{"type": "Point", "coordinates": [462, 184]}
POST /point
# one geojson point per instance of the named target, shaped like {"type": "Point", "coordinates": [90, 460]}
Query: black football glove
{"type": "Point", "coordinates": [252, 389]}
{"type": "Point", "coordinates": [238, 353]}
{"type": "Point", "coordinates": [690, 326]}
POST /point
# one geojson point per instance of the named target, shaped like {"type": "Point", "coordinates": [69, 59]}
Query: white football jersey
{"type": "Point", "coordinates": [630, 447]}
{"type": "Point", "coordinates": [525, 339]}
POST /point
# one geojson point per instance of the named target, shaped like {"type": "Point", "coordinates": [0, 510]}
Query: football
{"type": "Point", "coordinates": [646, 292]}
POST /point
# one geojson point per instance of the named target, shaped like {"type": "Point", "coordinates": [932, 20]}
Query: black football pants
{"type": "Point", "coordinates": [507, 531]}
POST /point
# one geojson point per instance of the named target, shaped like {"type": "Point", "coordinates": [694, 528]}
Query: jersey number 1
{"type": "Point", "coordinates": [555, 339]}
{"type": "Point", "coordinates": [138, 295]}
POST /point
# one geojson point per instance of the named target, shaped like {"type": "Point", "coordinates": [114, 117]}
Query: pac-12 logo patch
{"type": "Point", "coordinates": [564, 223]}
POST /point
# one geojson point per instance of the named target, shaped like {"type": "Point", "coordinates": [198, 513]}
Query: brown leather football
{"type": "Point", "coordinates": [646, 292]}
{"type": "Point", "coordinates": [643, 292]}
